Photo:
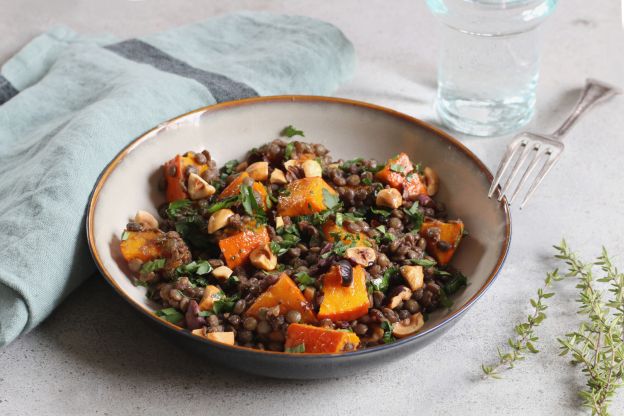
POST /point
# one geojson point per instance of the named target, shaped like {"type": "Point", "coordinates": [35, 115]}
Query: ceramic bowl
{"type": "Point", "coordinates": [349, 129]}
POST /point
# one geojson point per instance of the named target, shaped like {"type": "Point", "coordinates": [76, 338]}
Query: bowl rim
{"type": "Point", "coordinates": [110, 167]}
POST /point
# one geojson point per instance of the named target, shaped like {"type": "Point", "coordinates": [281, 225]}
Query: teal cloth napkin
{"type": "Point", "coordinates": [69, 103]}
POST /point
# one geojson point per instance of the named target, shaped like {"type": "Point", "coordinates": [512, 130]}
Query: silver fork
{"type": "Point", "coordinates": [533, 148]}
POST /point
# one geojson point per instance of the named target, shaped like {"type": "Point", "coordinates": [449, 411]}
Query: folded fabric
{"type": "Point", "coordinates": [69, 103]}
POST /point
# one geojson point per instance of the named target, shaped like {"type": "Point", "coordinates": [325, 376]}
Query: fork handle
{"type": "Point", "coordinates": [593, 92]}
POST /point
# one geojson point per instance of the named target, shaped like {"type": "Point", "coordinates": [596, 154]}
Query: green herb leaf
{"type": "Point", "coordinates": [290, 131]}
{"type": "Point", "coordinates": [152, 266]}
{"type": "Point", "coordinates": [224, 203]}
{"type": "Point", "coordinates": [198, 268]}
{"type": "Point", "coordinates": [225, 304]}
{"type": "Point", "coordinates": [387, 336]}
{"type": "Point", "coordinates": [125, 235]}
{"type": "Point", "coordinates": [383, 212]}
{"type": "Point", "coordinates": [304, 280]}
{"type": "Point", "coordinates": [424, 262]}
{"type": "Point", "coordinates": [415, 216]}
{"type": "Point", "coordinates": [288, 150]}
{"type": "Point", "coordinates": [457, 282]}
{"type": "Point", "coordinates": [297, 349]}
{"type": "Point", "coordinates": [250, 204]}
{"type": "Point", "coordinates": [382, 283]}
{"type": "Point", "coordinates": [170, 314]}
{"type": "Point", "coordinates": [395, 167]}
{"type": "Point", "coordinates": [174, 208]}
{"type": "Point", "coordinates": [330, 200]}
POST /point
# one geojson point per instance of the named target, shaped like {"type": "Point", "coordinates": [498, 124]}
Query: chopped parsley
{"type": "Point", "coordinates": [424, 262]}
{"type": "Point", "coordinates": [224, 203]}
{"type": "Point", "coordinates": [250, 204]}
{"type": "Point", "coordinates": [395, 167]}
{"type": "Point", "coordinates": [330, 200]}
{"type": "Point", "coordinates": [152, 266]}
{"type": "Point", "coordinates": [415, 215]}
{"type": "Point", "coordinates": [176, 208]}
{"type": "Point", "coordinates": [225, 304]}
{"type": "Point", "coordinates": [383, 212]}
{"type": "Point", "coordinates": [288, 150]}
{"type": "Point", "coordinates": [341, 216]}
{"type": "Point", "coordinates": [304, 280]}
{"type": "Point", "coordinates": [170, 315]}
{"type": "Point", "coordinates": [383, 282]}
{"type": "Point", "coordinates": [455, 284]}
{"type": "Point", "coordinates": [290, 131]}
{"type": "Point", "coordinates": [125, 235]}
{"type": "Point", "coordinates": [297, 349]}
{"type": "Point", "coordinates": [387, 338]}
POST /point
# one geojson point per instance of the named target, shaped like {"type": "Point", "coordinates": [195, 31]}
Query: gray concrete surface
{"type": "Point", "coordinates": [95, 356]}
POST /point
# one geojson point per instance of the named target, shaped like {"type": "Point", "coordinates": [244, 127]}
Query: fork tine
{"type": "Point", "coordinates": [504, 164]}
{"type": "Point", "coordinates": [521, 159]}
{"type": "Point", "coordinates": [540, 177]}
{"type": "Point", "coordinates": [528, 171]}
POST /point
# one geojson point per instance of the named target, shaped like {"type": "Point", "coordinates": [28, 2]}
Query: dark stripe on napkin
{"type": "Point", "coordinates": [221, 87]}
{"type": "Point", "coordinates": [7, 91]}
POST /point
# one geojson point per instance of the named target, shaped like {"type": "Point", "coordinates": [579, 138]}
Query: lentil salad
{"type": "Point", "coordinates": [290, 250]}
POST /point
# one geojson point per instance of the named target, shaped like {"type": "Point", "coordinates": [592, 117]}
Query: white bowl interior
{"type": "Point", "coordinates": [348, 130]}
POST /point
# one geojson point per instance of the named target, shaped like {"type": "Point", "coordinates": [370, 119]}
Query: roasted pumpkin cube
{"type": "Point", "coordinates": [234, 189]}
{"type": "Point", "coordinates": [331, 230]}
{"type": "Point", "coordinates": [395, 171]}
{"type": "Point", "coordinates": [442, 246]}
{"type": "Point", "coordinates": [142, 245]}
{"type": "Point", "coordinates": [304, 197]}
{"type": "Point", "coordinates": [176, 177]}
{"type": "Point", "coordinates": [342, 303]}
{"type": "Point", "coordinates": [317, 340]}
{"type": "Point", "coordinates": [237, 247]}
{"type": "Point", "coordinates": [287, 295]}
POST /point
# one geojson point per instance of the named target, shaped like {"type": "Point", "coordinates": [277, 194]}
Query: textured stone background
{"type": "Point", "coordinates": [94, 355]}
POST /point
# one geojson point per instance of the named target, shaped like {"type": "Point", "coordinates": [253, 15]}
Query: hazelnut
{"type": "Point", "coordinates": [312, 169]}
{"type": "Point", "coordinates": [390, 198]}
{"type": "Point", "coordinates": [431, 181]}
{"type": "Point", "coordinates": [414, 276]}
{"type": "Point", "coordinates": [222, 272]}
{"type": "Point", "coordinates": [409, 326]}
{"type": "Point", "coordinates": [278, 177]}
{"type": "Point", "coordinates": [259, 171]}
{"type": "Point", "coordinates": [147, 220]}
{"type": "Point", "coordinates": [364, 256]}
{"type": "Point", "coordinates": [263, 258]}
{"type": "Point", "coordinates": [401, 293]}
{"type": "Point", "coordinates": [219, 220]}
{"type": "Point", "coordinates": [199, 188]}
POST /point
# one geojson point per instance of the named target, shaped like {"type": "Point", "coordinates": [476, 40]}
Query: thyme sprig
{"type": "Point", "coordinates": [524, 340]}
{"type": "Point", "coordinates": [597, 345]}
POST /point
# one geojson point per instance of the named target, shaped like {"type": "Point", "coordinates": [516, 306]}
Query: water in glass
{"type": "Point", "coordinates": [489, 62]}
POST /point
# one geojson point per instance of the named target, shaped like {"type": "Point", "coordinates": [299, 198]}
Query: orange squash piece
{"type": "Point", "coordinates": [342, 303]}
{"type": "Point", "coordinates": [237, 247]}
{"type": "Point", "coordinates": [287, 295]}
{"type": "Point", "coordinates": [413, 186]}
{"type": "Point", "coordinates": [304, 197]}
{"type": "Point", "coordinates": [234, 188]}
{"type": "Point", "coordinates": [142, 245]}
{"type": "Point", "coordinates": [450, 232]}
{"type": "Point", "coordinates": [176, 188]}
{"type": "Point", "coordinates": [389, 176]}
{"type": "Point", "coordinates": [319, 340]}
{"type": "Point", "coordinates": [330, 230]}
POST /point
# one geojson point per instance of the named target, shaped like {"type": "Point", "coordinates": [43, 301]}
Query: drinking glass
{"type": "Point", "coordinates": [489, 62]}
